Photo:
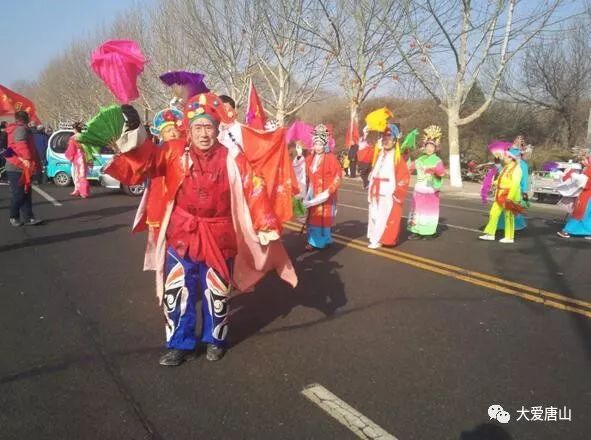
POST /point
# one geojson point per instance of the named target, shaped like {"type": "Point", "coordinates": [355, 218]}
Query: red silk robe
{"type": "Point", "coordinates": [327, 176]}
{"type": "Point", "coordinates": [251, 210]}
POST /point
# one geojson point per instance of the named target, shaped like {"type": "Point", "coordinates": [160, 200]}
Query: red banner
{"type": "Point", "coordinates": [255, 113]}
{"type": "Point", "coordinates": [352, 136]}
{"type": "Point", "coordinates": [267, 154]}
{"type": "Point", "coordinates": [11, 102]}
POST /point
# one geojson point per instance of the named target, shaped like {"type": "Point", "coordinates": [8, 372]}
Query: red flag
{"type": "Point", "coordinates": [255, 113]}
{"type": "Point", "coordinates": [268, 155]}
{"type": "Point", "coordinates": [352, 136]}
{"type": "Point", "coordinates": [11, 102]}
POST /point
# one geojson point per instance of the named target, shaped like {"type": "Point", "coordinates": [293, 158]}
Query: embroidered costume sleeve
{"type": "Point", "coordinates": [402, 174]}
{"type": "Point", "coordinates": [145, 160]}
{"type": "Point", "coordinates": [438, 170]}
{"type": "Point", "coordinates": [334, 173]}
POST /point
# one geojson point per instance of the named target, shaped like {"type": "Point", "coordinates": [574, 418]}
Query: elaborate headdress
{"type": "Point", "coordinates": [205, 105]}
{"type": "Point", "coordinates": [392, 130]}
{"type": "Point", "coordinates": [166, 117]}
{"type": "Point", "coordinates": [432, 135]}
{"type": "Point", "coordinates": [378, 119]}
{"type": "Point", "coordinates": [320, 134]}
{"type": "Point", "coordinates": [185, 84]}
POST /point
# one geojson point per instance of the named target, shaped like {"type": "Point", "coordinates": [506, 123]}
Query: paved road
{"type": "Point", "coordinates": [421, 339]}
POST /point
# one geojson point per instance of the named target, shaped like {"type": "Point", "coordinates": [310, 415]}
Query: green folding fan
{"type": "Point", "coordinates": [410, 141]}
{"type": "Point", "coordinates": [103, 129]}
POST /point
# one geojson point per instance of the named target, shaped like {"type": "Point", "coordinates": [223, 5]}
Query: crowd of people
{"type": "Point", "coordinates": [213, 224]}
{"type": "Point", "coordinates": [508, 180]}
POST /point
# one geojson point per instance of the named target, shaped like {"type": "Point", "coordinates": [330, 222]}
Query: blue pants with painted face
{"type": "Point", "coordinates": [185, 282]}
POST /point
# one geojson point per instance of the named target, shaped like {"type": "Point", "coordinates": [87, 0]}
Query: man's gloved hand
{"type": "Point", "coordinates": [131, 116]}
{"type": "Point", "coordinates": [265, 237]}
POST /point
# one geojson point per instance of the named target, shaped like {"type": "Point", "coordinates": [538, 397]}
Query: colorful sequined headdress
{"type": "Point", "coordinates": [166, 117]}
{"type": "Point", "coordinates": [320, 134]}
{"type": "Point", "coordinates": [432, 135]}
{"type": "Point", "coordinates": [206, 105]}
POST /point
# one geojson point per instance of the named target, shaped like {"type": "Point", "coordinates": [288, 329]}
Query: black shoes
{"type": "Point", "coordinates": [214, 353]}
{"type": "Point", "coordinates": [414, 236]}
{"type": "Point", "coordinates": [174, 357]}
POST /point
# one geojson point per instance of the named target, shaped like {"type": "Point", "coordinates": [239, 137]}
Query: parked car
{"type": "Point", "coordinates": [59, 169]}
{"type": "Point", "coordinates": [544, 182]}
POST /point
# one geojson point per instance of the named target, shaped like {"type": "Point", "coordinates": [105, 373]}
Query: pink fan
{"type": "Point", "coordinates": [300, 131]}
{"type": "Point", "coordinates": [118, 63]}
{"type": "Point", "coordinates": [498, 148]}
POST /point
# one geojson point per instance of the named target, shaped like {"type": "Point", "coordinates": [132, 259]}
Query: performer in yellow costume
{"type": "Point", "coordinates": [507, 200]}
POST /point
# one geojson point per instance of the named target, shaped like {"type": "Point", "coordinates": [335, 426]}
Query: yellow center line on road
{"type": "Point", "coordinates": [523, 291]}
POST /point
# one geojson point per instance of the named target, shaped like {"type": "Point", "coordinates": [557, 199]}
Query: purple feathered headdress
{"type": "Point", "coordinates": [190, 83]}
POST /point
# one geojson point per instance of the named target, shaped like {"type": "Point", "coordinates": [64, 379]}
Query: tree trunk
{"type": "Point", "coordinates": [455, 172]}
{"type": "Point", "coordinates": [280, 107]}
{"type": "Point", "coordinates": [570, 126]}
{"type": "Point", "coordinates": [353, 119]}
{"type": "Point", "coordinates": [280, 116]}
{"type": "Point", "coordinates": [588, 139]}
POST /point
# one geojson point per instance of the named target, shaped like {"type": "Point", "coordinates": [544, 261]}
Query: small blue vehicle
{"type": "Point", "coordinates": [58, 168]}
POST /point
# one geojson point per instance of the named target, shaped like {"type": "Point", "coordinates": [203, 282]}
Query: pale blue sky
{"type": "Point", "coordinates": [34, 31]}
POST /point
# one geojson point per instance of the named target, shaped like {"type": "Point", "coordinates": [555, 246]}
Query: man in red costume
{"type": "Point", "coordinates": [217, 227]}
{"type": "Point", "coordinates": [22, 163]}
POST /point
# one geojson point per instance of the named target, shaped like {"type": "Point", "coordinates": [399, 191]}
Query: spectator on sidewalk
{"type": "Point", "coordinates": [41, 140]}
{"type": "Point", "coordinates": [345, 163]}
{"type": "Point", "coordinates": [22, 163]}
{"type": "Point", "coordinates": [364, 158]}
{"type": "Point", "coordinates": [352, 154]}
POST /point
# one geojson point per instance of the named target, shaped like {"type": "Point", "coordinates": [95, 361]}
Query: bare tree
{"type": "Point", "coordinates": [458, 41]}
{"type": "Point", "coordinates": [289, 60]}
{"type": "Point", "coordinates": [554, 75]}
{"type": "Point", "coordinates": [212, 36]}
{"type": "Point", "coordinates": [361, 35]}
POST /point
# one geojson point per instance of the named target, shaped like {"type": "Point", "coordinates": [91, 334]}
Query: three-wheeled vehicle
{"type": "Point", "coordinates": [59, 168]}
{"type": "Point", "coordinates": [545, 181]}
